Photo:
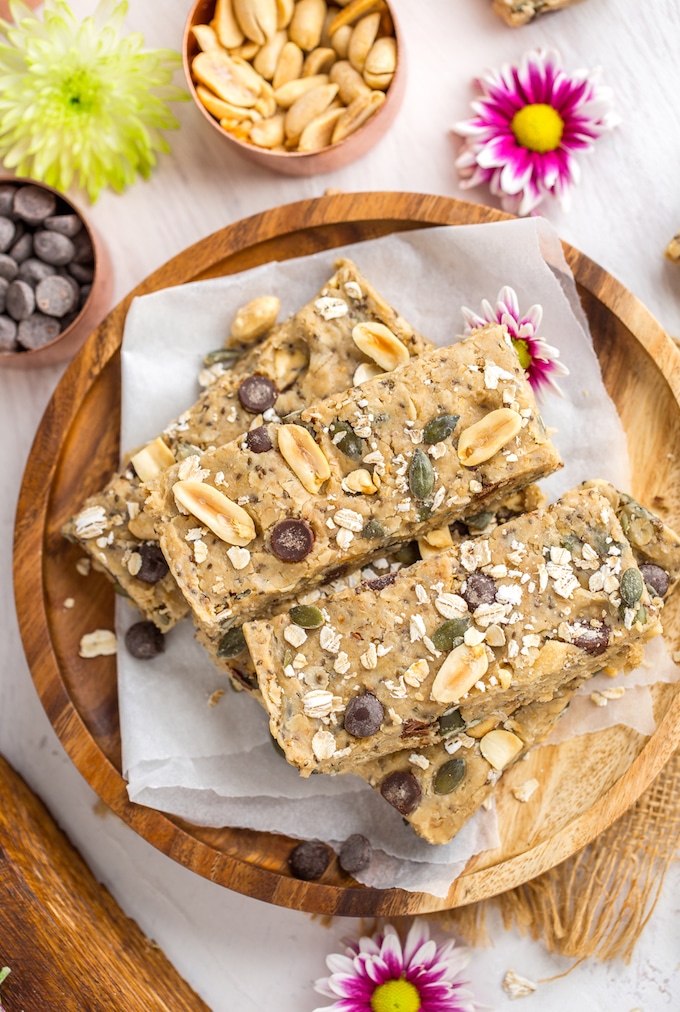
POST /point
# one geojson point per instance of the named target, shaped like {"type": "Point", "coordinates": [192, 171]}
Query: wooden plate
{"type": "Point", "coordinates": [585, 783]}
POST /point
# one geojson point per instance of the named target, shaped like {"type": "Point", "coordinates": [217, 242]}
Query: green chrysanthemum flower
{"type": "Point", "coordinates": [78, 102]}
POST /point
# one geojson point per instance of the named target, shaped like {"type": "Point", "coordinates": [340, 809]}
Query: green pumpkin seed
{"type": "Point", "coordinates": [287, 658]}
{"type": "Point", "coordinates": [449, 776]}
{"type": "Point", "coordinates": [307, 616]}
{"type": "Point", "coordinates": [479, 521]}
{"type": "Point", "coordinates": [450, 722]}
{"type": "Point", "coordinates": [420, 475]}
{"type": "Point", "coordinates": [424, 513]}
{"type": "Point", "coordinates": [440, 428]}
{"type": "Point", "coordinates": [232, 643]}
{"type": "Point", "coordinates": [350, 444]}
{"type": "Point", "coordinates": [184, 450]}
{"type": "Point", "coordinates": [373, 529]}
{"type": "Point", "coordinates": [226, 355]}
{"type": "Point", "coordinates": [443, 637]}
{"type": "Point", "coordinates": [641, 615]}
{"type": "Point", "coordinates": [408, 553]}
{"type": "Point", "coordinates": [117, 589]}
{"type": "Point", "coordinates": [632, 587]}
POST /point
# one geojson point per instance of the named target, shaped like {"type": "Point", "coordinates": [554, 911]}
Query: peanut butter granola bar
{"type": "Point", "coordinates": [309, 356]}
{"type": "Point", "coordinates": [485, 627]}
{"type": "Point", "coordinates": [521, 12]}
{"type": "Point", "coordinates": [248, 527]}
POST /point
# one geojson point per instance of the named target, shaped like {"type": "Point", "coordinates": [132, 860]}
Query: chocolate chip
{"type": "Point", "coordinates": [355, 853]}
{"type": "Point", "coordinates": [34, 204]}
{"type": "Point", "coordinates": [402, 791]}
{"type": "Point", "coordinates": [154, 567]}
{"type": "Point", "coordinates": [22, 248]}
{"type": "Point", "coordinates": [56, 296]}
{"type": "Point", "coordinates": [7, 191]}
{"type": "Point", "coordinates": [380, 582]}
{"type": "Point", "coordinates": [292, 540]}
{"type": "Point", "coordinates": [20, 300]}
{"type": "Point", "coordinates": [83, 273]}
{"type": "Point", "coordinates": [479, 589]}
{"type": "Point", "coordinates": [144, 640]}
{"type": "Point", "coordinates": [309, 860]}
{"type": "Point", "coordinates": [257, 393]}
{"type": "Point", "coordinates": [66, 224]}
{"type": "Point", "coordinates": [7, 233]}
{"type": "Point", "coordinates": [656, 578]}
{"type": "Point", "coordinates": [593, 639]}
{"type": "Point", "coordinates": [258, 441]}
{"type": "Point", "coordinates": [84, 294]}
{"type": "Point", "coordinates": [8, 334]}
{"type": "Point", "coordinates": [364, 715]}
{"type": "Point", "coordinates": [8, 268]}
{"type": "Point", "coordinates": [37, 331]}
{"type": "Point", "coordinates": [53, 248]}
{"type": "Point", "coordinates": [4, 285]}
{"type": "Point", "coordinates": [33, 271]}
{"type": "Point", "coordinates": [84, 252]}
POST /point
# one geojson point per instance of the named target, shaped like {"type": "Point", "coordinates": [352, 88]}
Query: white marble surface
{"type": "Point", "coordinates": [239, 953]}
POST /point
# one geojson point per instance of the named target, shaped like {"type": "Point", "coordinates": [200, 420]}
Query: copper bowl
{"type": "Point", "coordinates": [302, 163]}
{"type": "Point", "coordinates": [68, 341]}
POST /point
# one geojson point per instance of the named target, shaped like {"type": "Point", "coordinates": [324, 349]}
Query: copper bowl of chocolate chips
{"type": "Point", "coordinates": [55, 276]}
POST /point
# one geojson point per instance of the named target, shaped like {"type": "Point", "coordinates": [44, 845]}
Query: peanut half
{"type": "Point", "coordinates": [225, 77]}
{"type": "Point", "coordinates": [257, 19]}
{"type": "Point", "coordinates": [464, 666]}
{"type": "Point", "coordinates": [224, 518]}
{"type": "Point", "coordinates": [318, 133]}
{"type": "Point", "coordinates": [381, 63]}
{"type": "Point", "coordinates": [307, 23]}
{"type": "Point", "coordinates": [480, 441]}
{"type": "Point", "coordinates": [304, 457]}
{"type": "Point", "coordinates": [152, 459]}
{"type": "Point", "coordinates": [500, 747]}
{"type": "Point", "coordinates": [255, 318]}
{"type": "Point", "coordinates": [380, 344]}
{"type": "Point", "coordinates": [226, 26]}
{"type": "Point", "coordinates": [364, 35]}
{"type": "Point", "coordinates": [356, 114]}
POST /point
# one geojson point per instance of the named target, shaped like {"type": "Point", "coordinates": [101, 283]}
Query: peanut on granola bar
{"type": "Point", "coordinates": [521, 12]}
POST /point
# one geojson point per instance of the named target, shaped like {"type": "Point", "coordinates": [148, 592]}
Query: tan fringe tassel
{"type": "Point", "coordinates": [597, 902]}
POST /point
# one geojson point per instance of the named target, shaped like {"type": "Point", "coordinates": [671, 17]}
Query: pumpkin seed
{"type": "Point", "coordinates": [479, 521]}
{"type": "Point", "coordinates": [631, 587]}
{"type": "Point", "coordinates": [420, 475]}
{"type": "Point", "coordinates": [373, 529]}
{"type": "Point", "coordinates": [350, 444]}
{"type": "Point", "coordinates": [449, 776]}
{"type": "Point", "coordinates": [450, 722]}
{"type": "Point", "coordinates": [232, 643]}
{"type": "Point", "coordinates": [307, 616]}
{"type": "Point", "coordinates": [408, 553]}
{"type": "Point", "coordinates": [287, 658]}
{"type": "Point", "coordinates": [424, 513]}
{"type": "Point", "coordinates": [226, 355]}
{"type": "Point", "coordinates": [445, 635]}
{"type": "Point", "coordinates": [439, 428]}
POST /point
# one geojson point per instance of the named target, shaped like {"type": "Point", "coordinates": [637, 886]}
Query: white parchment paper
{"type": "Point", "coordinates": [215, 765]}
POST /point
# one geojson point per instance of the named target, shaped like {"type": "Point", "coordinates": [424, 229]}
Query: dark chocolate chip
{"type": "Point", "coordinates": [56, 296]}
{"type": "Point", "coordinates": [84, 252]}
{"type": "Point", "coordinates": [37, 331]}
{"type": "Point", "coordinates": [4, 285]}
{"type": "Point", "coordinates": [53, 248]}
{"type": "Point", "coordinates": [257, 393]}
{"type": "Point", "coordinates": [154, 566]}
{"type": "Point", "coordinates": [20, 300]}
{"type": "Point", "coordinates": [364, 715]}
{"type": "Point", "coordinates": [656, 578]}
{"type": "Point", "coordinates": [593, 639]}
{"type": "Point", "coordinates": [32, 271]}
{"type": "Point", "coordinates": [84, 294]}
{"type": "Point", "coordinates": [66, 224]}
{"type": "Point", "coordinates": [355, 853]}
{"type": "Point", "coordinates": [7, 233]}
{"type": "Point", "coordinates": [380, 582]}
{"type": "Point", "coordinates": [83, 273]}
{"type": "Point", "coordinates": [7, 191]}
{"type": "Point", "coordinates": [258, 441]}
{"type": "Point", "coordinates": [22, 248]}
{"type": "Point", "coordinates": [479, 589]}
{"type": "Point", "coordinates": [8, 268]}
{"type": "Point", "coordinates": [309, 860]}
{"type": "Point", "coordinates": [144, 640]}
{"type": "Point", "coordinates": [402, 791]}
{"type": "Point", "coordinates": [34, 204]}
{"type": "Point", "coordinates": [291, 540]}
{"type": "Point", "coordinates": [8, 334]}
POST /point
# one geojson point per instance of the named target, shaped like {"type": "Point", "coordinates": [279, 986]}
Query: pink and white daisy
{"type": "Point", "coordinates": [529, 124]}
{"type": "Point", "coordinates": [536, 356]}
{"type": "Point", "coordinates": [377, 974]}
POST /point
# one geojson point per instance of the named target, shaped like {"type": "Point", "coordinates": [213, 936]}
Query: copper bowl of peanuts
{"type": "Point", "coordinates": [299, 86]}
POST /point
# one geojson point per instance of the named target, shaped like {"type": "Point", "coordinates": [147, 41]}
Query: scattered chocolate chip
{"type": "Point", "coordinates": [84, 294]}
{"type": "Point", "coordinates": [258, 441]}
{"type": "Point", "coordinates": [56, 296]}
{"type": "Point", "coordinates": [22, 248]}
{"type": "Point", "coordinates": [34, 204]}
{"type": "Point", "coordinates": [380, 581]}
{"type": "Point", "coordinates": [53, 248]}
{"type": "Point", "coordinates": [7, 233]}
{"type": "Point", "coordinates": [479, 589]}
{"type": "Point", "coordinates": [257, 393]}
{"type": "Point", "coordinates": [83, 273]}
{"type": "Point", "coordinates": [8, 334]}
{"type": "Point", "coordinates": [19, 300]}
{"type": "Point", "coordinates": [402, 791]}
{"type": "Point", "coordinates": [4, 285]}
{"type": "Point", "coordinates": [66, 224]}
{"type": "Point", "coordinates": [412, 728]}
{"type": "Point", "coordinates": [144, 640]}
{"type": "Point", "coordinates": [154, 566]}
{"type": "Point", "coordinates": [291, 540]}
{"type": "Point", "coordinates": [593, 639]}
{"type": "Point", "coordinates": [37, 331]}
{"type": "Point", "coordinates": [8, 268]}
{"type": "Point", "coordinates": [656, 578]}
{"type": "Point", "coordinates": [309, 860]}
{"type": "Point", "coordinates": [355, 853]}
{"type": "Point", "coordinates": [364, 715]}
{"type": "Point", "coordinates": [7, 191]}
{"type": "Point", "coordinates": [84, 252]}
{"type": "Point", "coordinates": [33, 271]}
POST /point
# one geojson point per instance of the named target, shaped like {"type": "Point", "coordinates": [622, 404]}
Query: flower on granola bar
{"type": "Point", "coordinates": [377, 974]}
{"type": "Point", "coordinates": [530, 123]}
{"type": "Point", "coordinates": [538, 358]}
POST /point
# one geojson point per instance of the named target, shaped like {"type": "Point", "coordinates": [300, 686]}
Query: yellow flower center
{"type": "Point", "coordinates": [538, 127]}
{"type": "Point", "coordinates": [523, 353]}
{"type": "Point", "coordinates": [396, 996]}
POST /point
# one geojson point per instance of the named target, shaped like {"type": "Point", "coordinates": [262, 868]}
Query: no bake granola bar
{"type": "Point", "coordinates": [521, 12]}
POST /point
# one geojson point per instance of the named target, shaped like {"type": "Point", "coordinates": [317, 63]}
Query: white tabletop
{"type": "Point", "coordinates": [239, 953]}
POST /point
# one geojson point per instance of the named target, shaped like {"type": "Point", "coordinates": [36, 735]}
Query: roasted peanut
{"type": "Point", "coordinates": [289, 67]}
{"type": "Point", "coordinates": [284, 12]}
{"type": "Point", "coordinates": [480, 441]}
{"type": "Point", "coordinates": [266, 103]}
{"type": "Point", "coordinates": [289, 93]}
{"type": "Point", "coordinates": [361, 481]}
{"type": "Point", "coordinates": [152, 459]}
{"type": "Point", "coordinates": [256, 317]}
{"type": "Point", "coordinates": [365, 370]}
{"type": "Point", "coordinates": [268, 133]}
{"type": "Point", "coordinates": [226, 26]}
{"type": "Point", "coordinates": [325, 40]}
{"type": "Point", "coordinates": [304, 456]}
{"type": "Point", "coordinates": [307, 23]}
{"type": "Point", "coordinates": [225, 77]}
{"type": "Point", "coordinates": [307, 108]}
{"type": "Point", "coordinates": [381, 63]}
{"type": "Point", "coordinates": [317, 135]}
{"type": "Point", "coordinates": [222, 109]}
{"type": "Point", "coordinates": [357, 113]}
{"type": "Point", "coordinates": [463, 667]}
{"type": "Point", "coordinates": [349, 81]}
{"type": "Point", "coordinates": [319, 61]}
{"type": "Point", "coordinates": [246, 51]}
{"type": "Point", "coordinates": [500, 747]}
{"type": "Point", "coordinates": [224, 518]}
{"type": "Point", "coordinates": [256, 18]}
{"type": "Point", "coordinates": [353, 11]}
{"type": "Point", "coordinates": [340, 41]}
{"type": "Point", "coordinates": [380, 344]}
{"type": "Point", "coordinates": [363, 36]}
{"type": "Point", "coordinates": [267, 59]}
{"type": "Point", "coordinates": [206, 37]}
